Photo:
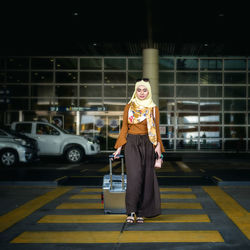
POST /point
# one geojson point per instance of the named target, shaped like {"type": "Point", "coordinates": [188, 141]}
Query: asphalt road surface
{"type": "Point", "coordinates": [176, 170]}
{"type": "Point", "coordinates": [52, 204]}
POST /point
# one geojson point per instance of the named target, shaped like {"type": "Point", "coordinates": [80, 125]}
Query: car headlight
{"type": "Point", "coordinates": [21, 141]}
{"type": "Point", "coordinates": [91, 140]}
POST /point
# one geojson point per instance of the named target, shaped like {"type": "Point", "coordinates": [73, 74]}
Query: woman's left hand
{"type": "Point", "coordinates": [158, 149]}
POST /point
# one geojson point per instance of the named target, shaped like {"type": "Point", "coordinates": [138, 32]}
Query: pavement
{"type": "Point", "coordinates": [55, 205]}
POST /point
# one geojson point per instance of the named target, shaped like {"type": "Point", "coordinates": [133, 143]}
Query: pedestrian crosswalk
{"type": "Point", "coordinates": [175, 200]}
{"type": "Point", "coordinates": [163, 196]}
{"type": "Point", "coordinates": [118, 237]}
{"type": "Point", "coordinates": [178, 196]}
{"type": "Point", "coordinates": [120, 218]}
{"type": "Point", "coordinates": [28, 208]}
{"type": "Point", "coordinates": [164, 205]}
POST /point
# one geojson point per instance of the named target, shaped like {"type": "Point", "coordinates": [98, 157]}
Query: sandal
{"type": "Point", "coordinates": [139, 220]}
{"type": "Point", "coordinates": [131, 218]}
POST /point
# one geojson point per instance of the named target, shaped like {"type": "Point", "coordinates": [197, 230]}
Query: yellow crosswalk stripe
{"type": "Point", "coordinates": [99, 190]}
{"type": "Point", "coordinates": [178, 196]}
{"type": "Point", "coordinates": [178, 176]}
{"type": "Point", "coordinates": [114, 218]}
{"type": "Point", "coordinates": [86, 196]}
{"type": "Point", "coordinates": [181, 205]}
{"type": "Point", "coordinates": [163, 196]}
{"type": "Point", "coordinates": [82, 205]}
{"type": "Point", "coordinates": [169, 205]}
{"type": "Point", "coordinates": [12, 217]}
{"type": "Point", "coordinates": [170, 236]}
{"type": "Point", "coordinates": [178, 218]}
{"type": "Point", "coordinates": [120, 218]}
{"type": "Point", "coordinates": [91, 190]}
{"type": "Point", "coordinates": [232, 209]}
{"type": "Point", "coordinates": [176, 189]}
{"type": "Point", "coordinates": [118, 237]}
{"type": "Point", "coordinates": [68, 237]}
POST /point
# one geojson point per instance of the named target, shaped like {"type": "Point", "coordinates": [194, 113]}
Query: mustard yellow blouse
{"type": "Point", "coordinates": [137, 129]}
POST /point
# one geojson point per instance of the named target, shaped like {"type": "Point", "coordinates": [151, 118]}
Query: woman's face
{"type": "Point", "coordinates": [142, 92]}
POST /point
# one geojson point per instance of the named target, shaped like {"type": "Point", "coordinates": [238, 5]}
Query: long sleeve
{"type": "Point", "coordinates": [122, 138]}
{"type": "Point", "coordinates": [157, 123]}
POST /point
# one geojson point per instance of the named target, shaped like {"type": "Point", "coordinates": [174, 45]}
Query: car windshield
{"type": "Point", "coordinates": [61, 129]}
{"type": "Point", "coordinates": [14, 133]}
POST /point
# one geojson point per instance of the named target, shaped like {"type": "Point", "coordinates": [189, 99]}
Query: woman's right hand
{"type": "Point", "coordinates": [117, 152]}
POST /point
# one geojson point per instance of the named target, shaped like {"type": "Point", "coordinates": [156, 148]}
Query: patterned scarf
{"type": "Point", "coordinates": [137, 114]}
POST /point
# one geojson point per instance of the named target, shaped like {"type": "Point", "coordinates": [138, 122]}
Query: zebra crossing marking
{"type": "Point", "coordinates": [118, 237]}
{"type": "Point", "coordinates": [120, 218]}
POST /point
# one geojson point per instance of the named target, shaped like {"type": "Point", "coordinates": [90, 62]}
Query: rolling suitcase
{"type": "Point", "coordinates": [114, 189]}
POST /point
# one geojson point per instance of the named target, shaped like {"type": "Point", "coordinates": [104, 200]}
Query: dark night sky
{"type": "Point", "coordinates": [53, 27]}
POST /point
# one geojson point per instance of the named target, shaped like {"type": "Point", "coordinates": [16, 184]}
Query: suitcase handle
{"type": "Point", "coordinates": [110, 169]}
{"type": "Point", "coordinates": [120, 156]}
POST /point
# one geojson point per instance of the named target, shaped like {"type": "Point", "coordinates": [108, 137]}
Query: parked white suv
{"type": "Point", "coordinates": [53, 140]}
{"type": "Point", "coordinates": [15, 148]}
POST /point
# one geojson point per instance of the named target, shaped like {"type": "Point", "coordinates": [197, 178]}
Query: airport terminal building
{"type": "Point", "coordinates": [203, 101]}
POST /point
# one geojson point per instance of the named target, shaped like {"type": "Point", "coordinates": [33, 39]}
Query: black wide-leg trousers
{"type": "Point", "coordinates": [142, 194]}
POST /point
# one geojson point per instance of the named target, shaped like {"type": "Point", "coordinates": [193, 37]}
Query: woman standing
{"type": "Point", "coordinates": [140, 137]}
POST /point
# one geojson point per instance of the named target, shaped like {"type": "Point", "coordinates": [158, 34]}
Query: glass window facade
{"type": "Point", "coordinates": [203, 102]}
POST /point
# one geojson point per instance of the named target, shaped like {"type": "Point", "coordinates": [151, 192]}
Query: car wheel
{"type": "Point", "coordinates": [8, 158]}
{"type": "Point", "coordinates": [74, 154]}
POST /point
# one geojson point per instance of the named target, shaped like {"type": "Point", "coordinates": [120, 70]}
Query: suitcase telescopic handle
{"type": "Point", "coordinates": [110, 169]}
{"type": "Point", "coordinates": [120, 156]}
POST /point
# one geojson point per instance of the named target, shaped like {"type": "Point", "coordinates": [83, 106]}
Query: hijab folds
{"type": "Point", "coordinates": [140, 110]}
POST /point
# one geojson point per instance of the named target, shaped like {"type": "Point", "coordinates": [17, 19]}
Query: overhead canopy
{"type": "Point", "coordinates": [124, 28]}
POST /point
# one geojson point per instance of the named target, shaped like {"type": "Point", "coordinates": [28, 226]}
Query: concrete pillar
{"type": "Point", "coordinates": [78, 121]}
{"type": "Point", "coordinates": [20, 116]}
{"type": "Point", "coordinates": [151, 71]}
